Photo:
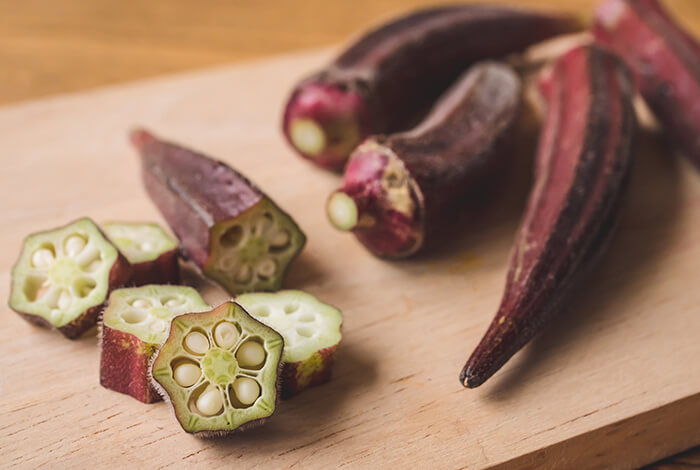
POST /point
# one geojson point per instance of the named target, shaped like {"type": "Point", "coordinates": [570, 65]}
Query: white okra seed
{"type": "Point", "coordinates": [186, 374]}
{"type": "Point", "coordinates": [245, 274]}
{"type": "Point", "coordinates": [210, 402]}
{"type": "Point", "coordinates": [225, 335]}
{"type": "Point", "coordinates": [74, 245]}
{"type": "Point", "coordinates": [42, 258]}
{"type": "Point", "coordinates": [141, 303]}
{"type": "Point", "coordinates": [247, 390]}
{"type": "Point", "coordinates": [250, 354]}
{"type": "Point", "coordinates": [267, 267]}
{"type": "Point", "coordinates": [197, 342]}
{"type": "Point", "coordinates": [279, 239]}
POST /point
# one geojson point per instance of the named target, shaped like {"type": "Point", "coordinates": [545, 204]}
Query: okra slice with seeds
{"type": "Point", "coordinates": [150, 250]}
{"type": "Point", "coordinates": [236, 234]}
{"type": "Point", "coordinates": [64, 275]}
{"type": "Point", "coordinates": [219, 370]}
{"type": "Point", "coordinates": [134, 325]}
{"type": "Point", "coordinates": [311, 332]}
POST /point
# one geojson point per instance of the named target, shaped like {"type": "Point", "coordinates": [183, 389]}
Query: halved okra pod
{"type": "Point", "coordinates": [134, 325]}
{"type": "Point", "coordinates": [219, 370]}
{"type": "Point", "coordinates": [226, 225]}
{"type": "Point", "coordinates": [583, 162]}
{"type": "Point", "coordinates": [665, 60]}
{"type": "Point", "coordinates": [401, 189]}
{"type": "Point", "coordinates": [150, 250]}
{"type": "Point", "coordinates": [388, 77]}
{"type": "Point", "coordinates": [311, 332]}
{"type": "Point", "coordinates": [63, 277]}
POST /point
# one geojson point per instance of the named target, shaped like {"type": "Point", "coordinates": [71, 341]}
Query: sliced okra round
{"type": "Point", "coordinates": [236, 234]}
{"type": "Point", "coordinates": [134, 325]}
{"type": "Point", "coordinates": [64, 275]}
{"type": "Point", "coordinates": [150, 250]}
{"type": "Point", "coordinates": [311, 332]}
{"type": "Point", "coordinates": [219, 370]}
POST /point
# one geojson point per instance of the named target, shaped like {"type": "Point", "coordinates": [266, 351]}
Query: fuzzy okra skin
{"type": "Point", "coordinates": [311, 332]}
{"type": "Point", "coordinates": [219, 370]}
{"type": "Point", "coordinates": [226, 225]}
{"type": "Point", "coordinates": [388, 77]}
{"type": "Point", "coordinates": [665, 60]}
{"type": "Point", "coordinates": [400, 189]}
{"type": "Point", "coordinates": [134, 325]}
{"type": "Point", "coordinates": [63, 277]}
{"type": "Point", "coordinates": [153, 254]}
{"type": "Point", "coordinates": [583, 162]}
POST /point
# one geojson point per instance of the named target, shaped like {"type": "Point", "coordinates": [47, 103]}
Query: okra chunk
{"type": "Point", "coordinates": [227, 226]}
{"type": "Point", "coordinates": [150, 250]}
{"type": "Point", "coordinates": [219, 369]}
{"type": "Point", "coordinates": [134, 325]}
{"type": "Point", "coordinates": [311, 332]}
{"type": "Point", "coordinates": [64, 275]}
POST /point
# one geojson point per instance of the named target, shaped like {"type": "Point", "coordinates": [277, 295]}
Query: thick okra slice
{"type": "Point", "coordinates": [134, 325]}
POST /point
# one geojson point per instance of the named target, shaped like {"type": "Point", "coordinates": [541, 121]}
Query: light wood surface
{"type": "Point", "coordinates": [613, 383]}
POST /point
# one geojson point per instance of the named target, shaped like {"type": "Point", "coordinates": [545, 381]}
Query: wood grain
{"type": "Point", "coordinates": [611, 385]}
{"type": "Point", "coordinates": [70, 45]}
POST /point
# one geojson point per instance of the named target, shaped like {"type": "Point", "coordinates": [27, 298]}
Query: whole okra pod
{"type": "Point", "coordinates": [400, 190]}
{"type": "Point", "coordinates": [583, 161]}
{"type": "Point", "coordinates": [665, 60]}
{"type": "Point", "coordinates": [388, 77]}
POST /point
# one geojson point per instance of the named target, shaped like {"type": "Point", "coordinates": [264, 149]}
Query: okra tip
{"type": "Point", "coordinates": [342, 211]}
{"type": "Point", "coordinates": [325, 122]}
{"type": "Point", "coordinates": [469, 378]}
{"type": "Point", "coordinates": [139, 137]}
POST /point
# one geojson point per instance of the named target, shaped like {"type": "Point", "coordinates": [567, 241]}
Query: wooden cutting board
{"type": "Point", "coordinates": [615, 382]}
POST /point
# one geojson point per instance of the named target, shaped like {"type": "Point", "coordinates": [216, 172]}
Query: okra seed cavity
{"type": "Point", "coordinates": [186, 374]}
{"type": "Point", "coordinates": [173, 302]}
{"type": "Point", "coordinates": [225, 335]}
{"type": "Point", "coordinates": [74, 245]}
{"type": "Point", "coordinates": [262, 224]}
{"type": "Point", "coordinates": [42, 258]}
{"type": "Point", "coordinates": [280, 239]}
{"type": "Point", "coordinates": [305, 331]}
{"type": "Point", "coordinates": [245, 274]}
{"type": "Point", "coordinates": [247, 390]}
{"type": "Point", "coordinates": [197, 342]}
{"type": "Point", "coordinates": [250, 354]}
{"type": "Point", "coordinates": [267, 267]}
{"type": "Point", "coordinates": [290, 308]}
{"type": "Point", "coordinates": [307, 136]}
{"type": "Point", "coordinates": [232, 236]}
{"type": "Point", "coordinates": [134, 316]}
{"type": "Point", "coordinates": [140, 303]}
{"type": "Point", "coordinates": [210, 402]}
{"type": "Point", "coordinates": [307, 317]}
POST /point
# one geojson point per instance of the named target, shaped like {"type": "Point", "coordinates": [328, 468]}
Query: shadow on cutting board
{"type": "Point", "coordinates": [647, 219]}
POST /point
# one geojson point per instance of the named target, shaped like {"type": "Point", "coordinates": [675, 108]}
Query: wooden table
{"type": "Point", "coordinates": [71, 45]}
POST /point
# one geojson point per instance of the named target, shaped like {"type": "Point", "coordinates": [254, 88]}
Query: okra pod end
{"type": "Point", "coordinates": [380, 202]}
{"type": "Point", "coordinates": [325, 122]}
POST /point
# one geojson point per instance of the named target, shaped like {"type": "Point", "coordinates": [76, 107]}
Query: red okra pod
{"type": "Point", "coordinates": [384, 80]}
{"type": "Point", "coordinates": [583, 161]}
{"type": "Point", "coordinates": [400, 189]}
{"type": "Point", "coordinates": [665, 60]}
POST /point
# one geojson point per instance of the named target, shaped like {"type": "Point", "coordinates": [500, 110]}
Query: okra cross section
{"type": "Point", "coordinates": [219, 369]}
{"type": "Point", "coordinates": [236, 234]}
{"type": "Point", "coordinates": [311, 332]}
{"type": "Point", "coordinates": [63, 277]}
{"type": "Point", "coordinates": [150, 250]}
{"type": "Point", "coordinates": [134, 325]}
